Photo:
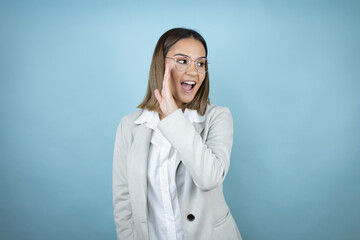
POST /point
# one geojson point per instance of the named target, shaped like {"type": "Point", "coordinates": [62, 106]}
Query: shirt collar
{"type": "Point", "coordinates": [151, 118]}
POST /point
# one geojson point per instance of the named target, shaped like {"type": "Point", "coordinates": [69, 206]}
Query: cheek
{"type": "Point", "coordinates": [174, 81]}
{"type": "Point", "coordinates": [202, 78]}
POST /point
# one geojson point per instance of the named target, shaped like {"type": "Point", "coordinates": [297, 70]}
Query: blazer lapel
{"type": "Point", "coordinates": [137, 167]}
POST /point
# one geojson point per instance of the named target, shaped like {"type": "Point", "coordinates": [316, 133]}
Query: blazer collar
{"type": "Point", "coordinates": [151, 118]}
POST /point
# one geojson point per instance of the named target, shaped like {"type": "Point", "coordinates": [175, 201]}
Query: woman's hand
{"type": "Point", "coordinates": [165, 98]}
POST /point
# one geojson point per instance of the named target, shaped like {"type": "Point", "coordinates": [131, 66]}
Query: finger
{"type": "Point", "coordinates": [166, 74]}
{"type": "Point", "coordinates": [167, 71]}
{"type": "Point", "coordinates": [158, 95]}
{"type": "Point", "coordinates": [166, 81]}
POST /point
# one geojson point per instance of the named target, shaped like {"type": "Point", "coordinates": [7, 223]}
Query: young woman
{"type": "Point", "coordinates": [172, 156]}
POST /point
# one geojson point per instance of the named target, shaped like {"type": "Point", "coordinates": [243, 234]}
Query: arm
{"type": "Point", "coordinates": [206, 162]}
{"type": "Point", "coordinates": [121, 198]}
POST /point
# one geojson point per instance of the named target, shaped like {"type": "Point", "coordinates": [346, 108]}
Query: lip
{"type": "Point", "coordinates": [192, 89]}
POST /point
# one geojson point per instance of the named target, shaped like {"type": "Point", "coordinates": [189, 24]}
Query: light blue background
{"type": "Point", "coordinates": [288, 70]}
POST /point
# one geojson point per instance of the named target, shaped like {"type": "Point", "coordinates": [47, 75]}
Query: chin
{"type": "Point", "coordinates": [186, 100]}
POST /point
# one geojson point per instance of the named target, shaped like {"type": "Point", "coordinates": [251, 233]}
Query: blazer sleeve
{"type": "Point", "coordinates": [121, 199]}
{"type": "Point", "coordinates": [207, 161]}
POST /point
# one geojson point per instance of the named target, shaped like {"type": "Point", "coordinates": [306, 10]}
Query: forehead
{"type": "Point", "coordinates": [188, 46]}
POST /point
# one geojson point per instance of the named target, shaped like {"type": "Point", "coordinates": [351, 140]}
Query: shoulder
{"type": "Point", "coordinates": [129, 120]}
{"type": "Point", "coordinates": [127, 123]}
{"type": "Point", "coordinates": [218, 120]}
{"type": "Point", "coordinates": [214, 111]}
{"type": "Point", "coordinates": [126, 126]}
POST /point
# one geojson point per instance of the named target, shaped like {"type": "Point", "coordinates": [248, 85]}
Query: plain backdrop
{"type": "Point", "coordinates": [289, 71]}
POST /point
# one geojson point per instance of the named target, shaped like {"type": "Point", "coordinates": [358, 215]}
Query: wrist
{"type": "Point", "coordinates": [162, 116]}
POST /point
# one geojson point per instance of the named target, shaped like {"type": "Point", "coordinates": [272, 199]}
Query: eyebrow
{"type": "Point", "coordinates": [184, 55]}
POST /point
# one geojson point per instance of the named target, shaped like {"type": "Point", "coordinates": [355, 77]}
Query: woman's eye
{"type": "Point", "coordinates": [182, 61]}
{"type": "Point", "coordinates": [201, 64]}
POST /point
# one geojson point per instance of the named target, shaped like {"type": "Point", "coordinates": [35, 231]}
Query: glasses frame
{"type": "Point", "coordinates": [190, 62]}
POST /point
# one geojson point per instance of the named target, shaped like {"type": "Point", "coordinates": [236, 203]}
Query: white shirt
{"type": "Point", "coordinates": [164, 216]}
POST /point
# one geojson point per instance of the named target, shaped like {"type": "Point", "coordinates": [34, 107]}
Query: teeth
{"type": "Point", "coordinates": [188, 82]}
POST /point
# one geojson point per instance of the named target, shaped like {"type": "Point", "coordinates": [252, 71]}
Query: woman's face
{"type": "Point", "coordinates": [184, 85]}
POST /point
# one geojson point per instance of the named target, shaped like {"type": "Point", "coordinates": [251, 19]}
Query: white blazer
{"type": "Point", "coordinates": [202, 162]}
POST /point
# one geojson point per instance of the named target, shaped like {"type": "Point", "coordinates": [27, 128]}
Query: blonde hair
{"type": "Point", "coordinates": [157, 69]}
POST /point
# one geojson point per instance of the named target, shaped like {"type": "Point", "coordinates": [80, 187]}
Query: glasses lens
{"type": "Point", "coordinates": [182, 63]}
{"type": "Point", "coordinates": [201, 65]}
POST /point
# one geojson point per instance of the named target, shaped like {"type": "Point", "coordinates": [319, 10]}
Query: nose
{"type": "Point", "coordinates": [192, 69]}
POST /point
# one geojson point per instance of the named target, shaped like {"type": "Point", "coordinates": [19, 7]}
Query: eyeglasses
{"type": "Point", "coordinates": [182, 63]}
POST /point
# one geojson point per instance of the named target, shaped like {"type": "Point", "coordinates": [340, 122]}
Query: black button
{"type": "Point", "coordinates": [191, 217]}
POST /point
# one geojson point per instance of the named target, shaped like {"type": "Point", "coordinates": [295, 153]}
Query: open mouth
{"type": "Point", "coordinates": [187, 86]}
